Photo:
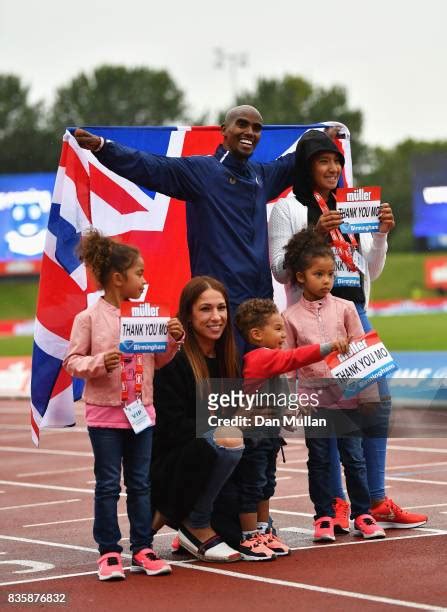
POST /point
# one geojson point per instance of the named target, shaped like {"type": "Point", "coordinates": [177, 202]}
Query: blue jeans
{"type": "Point", "coordinates": [255, 475]}
{"type": "Point", "coordinates": [375, 428]}
{"type": "Point", "coordinates": [111, 447]}
{"type": "Point", "coordinates": [226, 460]}
{"type": "Point", "coordinates": [318, 442]}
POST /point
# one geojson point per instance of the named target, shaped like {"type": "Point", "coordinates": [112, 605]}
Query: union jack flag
{"type": "Point", "coordinates": [85, 194]}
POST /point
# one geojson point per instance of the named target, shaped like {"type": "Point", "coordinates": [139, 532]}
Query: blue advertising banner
{"type": "Point", "coordinates": [421, 379]}
{"type": "Point", "coordinates": [25, 202]}
{"type": "Point", "coordinates": [429, 173]}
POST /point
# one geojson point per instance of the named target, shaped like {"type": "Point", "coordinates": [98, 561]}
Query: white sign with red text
{"type": "Point", "coordinates": [359, 207]}
{"type": "Point", "coordinates": [367, 360]}
{"type": "Point", "coordinates": [143, 328]}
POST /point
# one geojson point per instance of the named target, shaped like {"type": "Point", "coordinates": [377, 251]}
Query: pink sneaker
{"type": "Point", "coordinates": [275, 544]}
{"type": "Point", "coordinates": [110, 567]}
{"type": "Point", "coordinates": [254, 548]}
{"type": "Point", "coordinates": [324, 529]}
{"type": "Point", "coordinates": [366, 526]}
{"type": "Point", "coordinates": [148, 561]}
{"type": "Point", "coordinates": [341, 520]}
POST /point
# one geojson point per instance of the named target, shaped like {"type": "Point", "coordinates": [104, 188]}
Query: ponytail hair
{"type": "Point", "coordinates": [103, 255]}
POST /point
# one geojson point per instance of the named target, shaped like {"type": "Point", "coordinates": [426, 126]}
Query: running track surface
{"type": "Point", "coordinates": [46, 546]}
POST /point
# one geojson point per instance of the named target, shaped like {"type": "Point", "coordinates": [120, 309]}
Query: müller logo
{"type": "Point", "coordinates": [145, 310]}
{"type": "Point", "coordinates": [358, 195]}
{"type": "Point", "coordinates": [354, 347]}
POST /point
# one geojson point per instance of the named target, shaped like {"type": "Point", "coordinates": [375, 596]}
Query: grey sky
{"type": "Point", "coordinates": [390, 56]}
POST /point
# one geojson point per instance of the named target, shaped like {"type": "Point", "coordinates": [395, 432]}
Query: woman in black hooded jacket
{"type": "Point", "coordinates": [319, 165]}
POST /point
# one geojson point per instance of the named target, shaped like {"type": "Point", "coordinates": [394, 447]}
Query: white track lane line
{"type": "Point", "coordinates": [33, 485]}
{"type": "Point", "coordinates": [426, 506]}
{"type": "Point", "coordinates": [415, 465]}
{"type": "Point", "coordinates": [231, 574]}
{"type": "Point", "coordinates": [428, 533]}
{"type": "Point", "coordinates": [51, 503]}
{"type": "Point", "coordinates": [78, 520]}
{"type": "Point", "coordinates": [284, 478]}
{"type": "Point", "coordinates": [420, 449]}
{"type": "Point", "coordinates": [291, 513]}
{"type": "Point", "coordinates": [44, 451]}
{"type": "Point", "coordinates": [295, 470]}
{"type": "Point", "coordinates": [291, 496]}
{"type": "Point", "coordinates": [311, 587]}
{"type": "Point", "coordinates": [419, 480]}
{"type": "Point", "coordinates": [52, 472]}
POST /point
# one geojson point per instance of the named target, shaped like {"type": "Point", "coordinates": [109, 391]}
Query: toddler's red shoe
{"type": "Point", "coordinates": [366, 526]}
{"type": "Point", "coordinates": [390, 515]}
{"type": "Point", "coordinates": [342, 510]}
{"type": "Point", "coordinates": [324, 529]}
{"type": "Point", "coordinates": [110, 567]}
{"type": "Point", "coordinates": [148, 561]}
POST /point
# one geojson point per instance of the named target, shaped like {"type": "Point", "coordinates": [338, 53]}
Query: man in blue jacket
{"type": "Point", "coordinates": [226, 196]}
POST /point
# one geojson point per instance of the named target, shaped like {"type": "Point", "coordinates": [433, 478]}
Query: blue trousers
{"type": "Point", "coordinates": [374, 441]}
{"type": "Point", "coordinates": [318, 441]}
{"type": "Point", "coordinates": [227, 459]}
{"type": "Point", "coordinates": [111, 448]}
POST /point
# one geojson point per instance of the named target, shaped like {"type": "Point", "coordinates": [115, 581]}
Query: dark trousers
{"type": "Point", "coordinates": [318, 440]}
{"type": "Point", "coordinates": [111, 448]}
{"type": "Point", "coordinates": [255, 476]}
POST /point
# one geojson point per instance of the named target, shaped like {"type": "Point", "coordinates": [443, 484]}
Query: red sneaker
{"type": "Point", "coordinates": [148, 561]}
{"type": "Point", "coordinates": [110, 566]}
{"type": "Point", "coordinates": [342, 511]}
{"type": "Point", "coordinates": [390, 515]}
{"type": "Point", "coordinates": [366, 526]}
{"type": "Point", "coordinates": [324, 529]}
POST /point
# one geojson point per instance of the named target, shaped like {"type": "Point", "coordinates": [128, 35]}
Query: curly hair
{"type": "Point", "coordinates": [253, 313]}
{"type": "Point", "coordinates": [302, 248]}
{"type": "Point", "coordinates": [102, 255]}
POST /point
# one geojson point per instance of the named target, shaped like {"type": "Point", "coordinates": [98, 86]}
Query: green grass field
{"type": "Point", "coordinates": [16, 346]}
{"type": "Point", "coordinates": [413, 332]}
{"type": "Point", "coordinates": [402, 278]}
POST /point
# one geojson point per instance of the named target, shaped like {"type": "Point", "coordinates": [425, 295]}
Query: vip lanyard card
{"type": "Point", "coordinates": [366, 361]}
{"type": "Point", "coordinates": [143, 328]}
{"type": "Point", "coordinates": [359, 207]}
{"type": "Point", "coordinates": [137, 416]}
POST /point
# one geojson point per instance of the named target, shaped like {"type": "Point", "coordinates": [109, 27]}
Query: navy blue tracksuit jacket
{"type": "Point", "coordinates": [226, 209]}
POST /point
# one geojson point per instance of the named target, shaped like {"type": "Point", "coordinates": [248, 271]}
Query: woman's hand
{"type": "Point", "coordinates": [329, 220]}
{"type": "Point", "coordinates": [112, 360]}
{"type": "Point", "coordinates": [175, 328]}
{"type": "Point", "coordinates": [386, 218]}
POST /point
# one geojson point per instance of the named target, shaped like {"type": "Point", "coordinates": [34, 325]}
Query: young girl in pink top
{"type": "Point", "coordinates": [317, 317]}
{"type": "Point", "coordinates": [110, 376]}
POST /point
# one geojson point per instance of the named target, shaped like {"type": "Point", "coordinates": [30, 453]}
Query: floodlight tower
{"type": "Point", "coordinates": [232, 61]}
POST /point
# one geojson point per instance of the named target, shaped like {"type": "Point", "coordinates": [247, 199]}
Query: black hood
{"type": "Point", "coordinates": [310, 143]}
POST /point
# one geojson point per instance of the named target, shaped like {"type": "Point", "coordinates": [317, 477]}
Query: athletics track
{"type": "Point", "coordinates": [46, 545]}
